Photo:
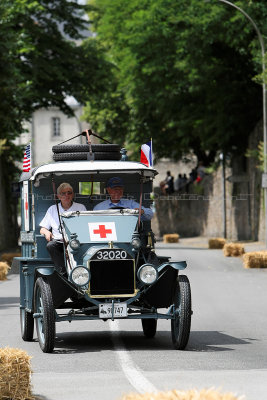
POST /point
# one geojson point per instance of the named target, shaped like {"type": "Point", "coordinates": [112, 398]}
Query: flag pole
{"type": "Point", "coordinates": [152, 161]}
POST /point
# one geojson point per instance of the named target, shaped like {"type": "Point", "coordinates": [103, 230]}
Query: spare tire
{"type": "Point", "coordinates": [84, 156]}
{"type": "Point", "coordinates": [77, 148]}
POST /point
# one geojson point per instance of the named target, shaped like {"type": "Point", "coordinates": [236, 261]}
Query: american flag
{"type": "Point", "coordinates": [27, 159]}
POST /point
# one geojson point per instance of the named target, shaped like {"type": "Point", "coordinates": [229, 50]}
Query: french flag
{"type": "Point", "coordinates": [147, 154]}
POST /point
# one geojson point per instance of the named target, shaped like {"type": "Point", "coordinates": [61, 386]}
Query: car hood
{"type": "Point", "coordinates": [100, 228]}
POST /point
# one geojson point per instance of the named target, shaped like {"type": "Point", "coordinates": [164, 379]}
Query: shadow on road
{"type": "Point", "coordinates": [214, 341]}
{"type": "Point", "coordinates": [199, 341]}
{"type": "Point", "coordinates": [83, 342]}
{"type": "Point", "coordinates": [8, 302]}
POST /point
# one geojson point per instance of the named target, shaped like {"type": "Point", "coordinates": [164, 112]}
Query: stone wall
{"type": "Point", "coordinates": [199, 211]}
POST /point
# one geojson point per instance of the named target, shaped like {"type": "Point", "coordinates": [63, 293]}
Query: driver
{"type": "Point", "coordinates": [115, 188]}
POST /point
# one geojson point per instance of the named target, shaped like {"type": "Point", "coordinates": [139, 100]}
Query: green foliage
{"type": "Point", "coordinates": [262, 77]}
{"type": "Point", "coordinates": [89, 188]}
{"type": "Point", "coordinates": [198, 189]}
{"type": "Point", "coordinates": [212, 168]}
{"type": "Point", "coordinates": [258, 155]}
{"type": "Point", "coordinates": [41, 61]}
{"type": "Point", "coordinates": [183, 74]}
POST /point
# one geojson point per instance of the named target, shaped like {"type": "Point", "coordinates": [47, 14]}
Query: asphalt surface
{"type": "Point", "coordinates": [104, 360]}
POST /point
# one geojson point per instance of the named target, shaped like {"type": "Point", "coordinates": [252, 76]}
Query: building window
{"type": "Point", "coordinates": [56, 127]}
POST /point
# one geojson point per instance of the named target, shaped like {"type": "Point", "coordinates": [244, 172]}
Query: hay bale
{"type": "Point", "coordinates": [193, 394]}
{"type": "Point", "coordinates": [8, 257]}
{"type": "Point", "coordinates": [216, 243]}
{"type": "Point", "coordinates": [15, 374]}
{"type": "Point", "coordinates": [255, 259]}
{"type": "Point", "coordinates": [4, 268]}
{"type": "Point", "coordinates": [171, 238]}
{"type": "Point", "coordinates": [233, 249]}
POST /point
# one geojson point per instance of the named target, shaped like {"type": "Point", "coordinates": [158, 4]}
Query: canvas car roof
{"type": "Point", "coordinates": [92, 167]}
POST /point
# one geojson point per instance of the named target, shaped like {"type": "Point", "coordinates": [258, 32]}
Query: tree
{"type": "Point", "coordinates": [41, 61]}
{"type": "Point", "coordinates": [183, 72]}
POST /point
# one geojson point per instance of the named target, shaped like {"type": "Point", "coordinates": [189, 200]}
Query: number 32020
{"type": "Point", "coordinates": [111, 254]}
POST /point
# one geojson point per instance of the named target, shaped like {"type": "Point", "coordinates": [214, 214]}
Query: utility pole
{"type": "Point", "coordinates": [222, 159]}
{"type": "Point", "coordinates": [260, 37]}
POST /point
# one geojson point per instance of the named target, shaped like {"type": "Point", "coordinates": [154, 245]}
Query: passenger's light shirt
{"type": "Point", "coordinates": [51, 220]}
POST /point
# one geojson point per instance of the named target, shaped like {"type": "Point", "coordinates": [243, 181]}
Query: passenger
{"type": "Point", "coordinates": [115, 187]}
{"type": "Point", "coordinates": [51, 221]}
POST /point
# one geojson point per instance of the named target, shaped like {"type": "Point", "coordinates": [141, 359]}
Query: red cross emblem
{"type": "Point", "coordinates": [26, 205]}
{"type": "Point", "coordinates": [102, 231]}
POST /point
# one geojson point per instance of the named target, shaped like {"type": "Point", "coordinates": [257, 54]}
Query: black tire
{"type": "Point", "coordinates": [149, 327]}
{"type": "Point", "coordinates": [26, 325]}
{"type": "Point", "coordinates": [45, 324]}
{"type": "Point", "coordinates": [180, 326]}
{"type": "Point", "coordinates": [84, 156]}
{"type": "Point", "coordinates": [80, 148]}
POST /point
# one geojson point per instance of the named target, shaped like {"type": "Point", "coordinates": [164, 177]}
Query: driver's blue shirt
{"type": "Point", "coordinates": [126, 203]}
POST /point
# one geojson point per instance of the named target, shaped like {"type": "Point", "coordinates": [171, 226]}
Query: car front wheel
{"type": "Point", "coordinates": [180, 325]}
{"type": "Point", "coordinates": [45, 320]}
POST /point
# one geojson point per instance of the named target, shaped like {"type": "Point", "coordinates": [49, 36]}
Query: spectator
{"type": "Point", "coordinates": [169, 188]}
{"type": "Point", "coordinates": [184, 180]}
{"type": "Point", "coordinates": [178, 184]}
{"type": "Point", "coordinates": [193, 175]}
{"type": "Point", "coordinates": [162, 187]}
{"type": "Point", "coordinates": [200, 172]}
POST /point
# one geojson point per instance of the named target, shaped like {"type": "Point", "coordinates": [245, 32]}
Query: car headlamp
{"type": "Point", "coordinates": [147, 274]}
{"type": "Point", "coordinates": [74, 244]}
{"type": "Point", "coordinates": [136, 243]}
{"type": "Point", "coordinates": [80, 276]}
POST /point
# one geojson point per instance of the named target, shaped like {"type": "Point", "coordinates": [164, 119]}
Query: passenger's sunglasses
{"type": "Point", "coordinates": [65, 193]}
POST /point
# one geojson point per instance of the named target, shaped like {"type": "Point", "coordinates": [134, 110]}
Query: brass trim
{"type": "Point", "coordinates": [109, 296]}
{"type": "Point", "coordinates": [149, 240]}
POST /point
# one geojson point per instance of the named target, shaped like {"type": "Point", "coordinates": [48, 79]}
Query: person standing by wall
{"type": "Point", "coordinates": [169, 187]}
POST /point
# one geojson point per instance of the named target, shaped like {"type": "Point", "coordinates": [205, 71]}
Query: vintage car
{"type": "Point", "coordinates": [112, 268]}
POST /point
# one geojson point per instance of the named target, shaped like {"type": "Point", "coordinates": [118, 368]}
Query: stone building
{"type": "Point", "coordinates": [49, 127]}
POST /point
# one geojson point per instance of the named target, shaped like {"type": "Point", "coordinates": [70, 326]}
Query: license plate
{"type": "Point", "coordinates": [116, 254]}
{"type": "Point", "coordinates": [120, 310]}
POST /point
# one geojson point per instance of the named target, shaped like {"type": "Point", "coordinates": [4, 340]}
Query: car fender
{"type": "Point", "coordinates": [178, 265]}
{"type": "Point", "coordinates": [44, 271]}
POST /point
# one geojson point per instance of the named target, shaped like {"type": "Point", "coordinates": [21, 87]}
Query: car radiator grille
{"type": "Point", "coordinates": [112, 277]}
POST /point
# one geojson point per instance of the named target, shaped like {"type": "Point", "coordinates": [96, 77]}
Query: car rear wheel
{"type": "Point", "coordinates": [180, 325]}
{"type": "Point", "coordinates": [149, 327]}
{"type": "Point", "coordinates": [26, 325]}
{"type": "Point", "coordinates": [45, 322]}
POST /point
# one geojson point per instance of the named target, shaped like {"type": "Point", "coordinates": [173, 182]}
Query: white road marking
{"type": "Point", "coordinates": [130, 369]}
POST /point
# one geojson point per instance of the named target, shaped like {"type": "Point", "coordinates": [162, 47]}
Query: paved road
{"type": "Point", "coordinates": [103, 361]}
